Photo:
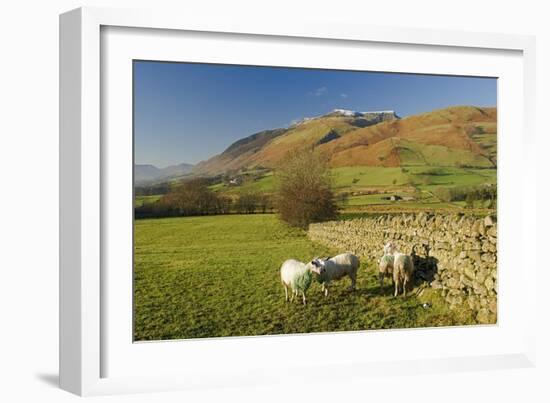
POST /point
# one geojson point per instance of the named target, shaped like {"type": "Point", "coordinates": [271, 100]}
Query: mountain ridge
{"type": "Point", "coordinates": [454, 136]}
{"type": "Point", "coordinates": [351, 138]}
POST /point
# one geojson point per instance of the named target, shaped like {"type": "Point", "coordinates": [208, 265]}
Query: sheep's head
{"type": "Point", "coordinates": [317, 266]}
{"type": "Point", "coordinates": [390, 248]}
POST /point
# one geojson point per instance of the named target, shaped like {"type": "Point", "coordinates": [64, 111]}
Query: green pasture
{"type": "Point", "coordinates": [412, 153]}
{"type": "Point", "coordinates": [363, 177]}
{"type": "Point", "coordinates": [418, 181]}
{"type": "Point", "coordinates": [263, 184]}
{"type": "Point", "coordinates": [432, 177]}
{"type": "Point", "coordinates": [215, 276]}
{"type": "Point", "coordinates": [139, 201]}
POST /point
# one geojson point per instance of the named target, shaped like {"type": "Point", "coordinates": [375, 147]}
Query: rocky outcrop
{"type": "Point", "coordinates": [455, 254]}
{"type": "Point", "coordinates": [331, 135]}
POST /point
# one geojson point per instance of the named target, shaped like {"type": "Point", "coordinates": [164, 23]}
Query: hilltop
{"type": "Point", "coordinates": [455, 136]}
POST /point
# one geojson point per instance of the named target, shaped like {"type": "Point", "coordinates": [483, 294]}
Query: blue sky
{"type": "Point", "coordinates": [187, 112]}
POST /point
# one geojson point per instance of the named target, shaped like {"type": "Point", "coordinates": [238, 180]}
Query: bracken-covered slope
{"type": "Point", "coordinates": [237, 155]}
{"type": "Point", "coordinates": [454, 136]}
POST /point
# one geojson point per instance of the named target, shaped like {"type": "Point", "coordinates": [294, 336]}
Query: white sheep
{"type": "Point", "coordinates": [403, 270]}
{"type": "Point", "coordinates": [390, 248]}
{"type": "Point", "coordinates": [335, 268]}
{"type": "Point", "coordinates": [385, 267]}
{"type": "Point", "coordinates": [297, 276]}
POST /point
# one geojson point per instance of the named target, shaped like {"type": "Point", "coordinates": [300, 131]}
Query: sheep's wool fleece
{"type": "Point", "coordinates": [320, 278]}
{"type": "Point", "coordinates": [387, 259]}
{"type": "Point", "coordinates": [302, 281]}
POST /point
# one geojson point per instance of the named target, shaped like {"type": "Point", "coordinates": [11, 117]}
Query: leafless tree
{"type": "Point", "coordinates": [304, 193]}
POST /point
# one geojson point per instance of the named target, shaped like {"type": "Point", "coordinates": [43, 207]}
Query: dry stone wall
{"type": "Point", "coordinates": [455, 254]}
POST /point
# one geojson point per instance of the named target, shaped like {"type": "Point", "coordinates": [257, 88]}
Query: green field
{"type": "Point", "coordinates": [432, 177]}
{"type": "Point", "coordinates": [141, 200]}
{"type": "Point", "coordinates": [219, 276]}
{"type": "Point", "coordinates": [264, 184]}
{"type": "Point", "coordinates": [412, 153]}
{"type": "Point", "coordinates": [421, 177]}
{"type": "Point", "coordinates": [367, 188]}
{"type": "Point", "coordinates": [397, 180]}
{"type": "Point", "coordinates": [358, 177]}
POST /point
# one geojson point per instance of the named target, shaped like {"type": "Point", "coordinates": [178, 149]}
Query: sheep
{"type": "Point", "coordinates": [390, 248]}
{"type": "Point", "coordinates": [297, 276]}
{"type": "Point", "coordinates": [335, 268]}
{"type": "Point", "coordinates": [385, 268]}
{"type": "Point", "coordinates": [403, 270]}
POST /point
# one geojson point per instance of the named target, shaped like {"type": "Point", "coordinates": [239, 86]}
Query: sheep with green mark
{"type": "Point", "coordinates": [297, 276]}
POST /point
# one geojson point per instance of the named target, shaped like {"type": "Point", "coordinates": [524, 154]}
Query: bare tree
{"type": "Point", "coordinates": [304, 192]}
{"type": "Point", "coordinates": [246, 203]}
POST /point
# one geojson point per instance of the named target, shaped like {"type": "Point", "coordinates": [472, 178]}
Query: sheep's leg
{"type": "Point", "coordinates": [405, 286]}
{"type": "Point", "coordinates": [286, 293]}
{"type": "Point", "coordinates": [396, 289]}
{"type": "Point", "coordinates": [381, 279]}
{"type": "Point", "coordinates": [293, 295]}
{"type": "Point", "coordinates": [326, 290]}
{"type": "Point", "coordinates": [353, 280]}
{"type": "Point", "coordinates": [304, 297]}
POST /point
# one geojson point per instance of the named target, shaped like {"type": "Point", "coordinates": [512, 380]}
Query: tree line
{"type": "Point", "coordinates": [195, 198]}
{"type": "Point", "coordinates": [468, 194]}
{"type": "Point", "coordinates": [303, 194]}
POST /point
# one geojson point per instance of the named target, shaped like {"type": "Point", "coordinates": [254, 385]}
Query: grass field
{"type": "Point", "coordinates": [369, 187]}
{"type": "Point", "coordinates": [357, 178]}
{"type": "Point", "coordinates": [219, 276]}
{"type": "Point", "coordinates": [264, 184]}
{"type": "Point", "coordinates": [347, 178]}
{"type": "Point", "coordinates": [433, 177]}
{"type": "Point", "coordinates": [141, 200]}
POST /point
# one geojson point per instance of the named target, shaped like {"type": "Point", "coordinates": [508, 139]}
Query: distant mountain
{"type": "Point", "coordinates": [177, 170]}
{"type": "Point", "coordinates": [147, 173]}
{"type": "Point", "coordinates": [454, 136]}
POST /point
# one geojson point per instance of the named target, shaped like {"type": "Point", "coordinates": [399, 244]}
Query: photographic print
{"type": "Point", "coordinates": [274, 200]}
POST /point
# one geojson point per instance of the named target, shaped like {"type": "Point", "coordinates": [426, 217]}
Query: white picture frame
{"type": "Point", "coordinates": [85, 343]}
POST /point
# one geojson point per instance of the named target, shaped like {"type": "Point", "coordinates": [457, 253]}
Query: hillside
{"type": "Point", "coordinates": [237, 154]}
{"type": "Point", "coordinates": [454, 136]}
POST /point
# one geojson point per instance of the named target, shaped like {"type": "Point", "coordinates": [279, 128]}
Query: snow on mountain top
{"type": "Point", "coordinates": [345, 112]}
{"type": "Point", "coordinates": [379, 112]}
